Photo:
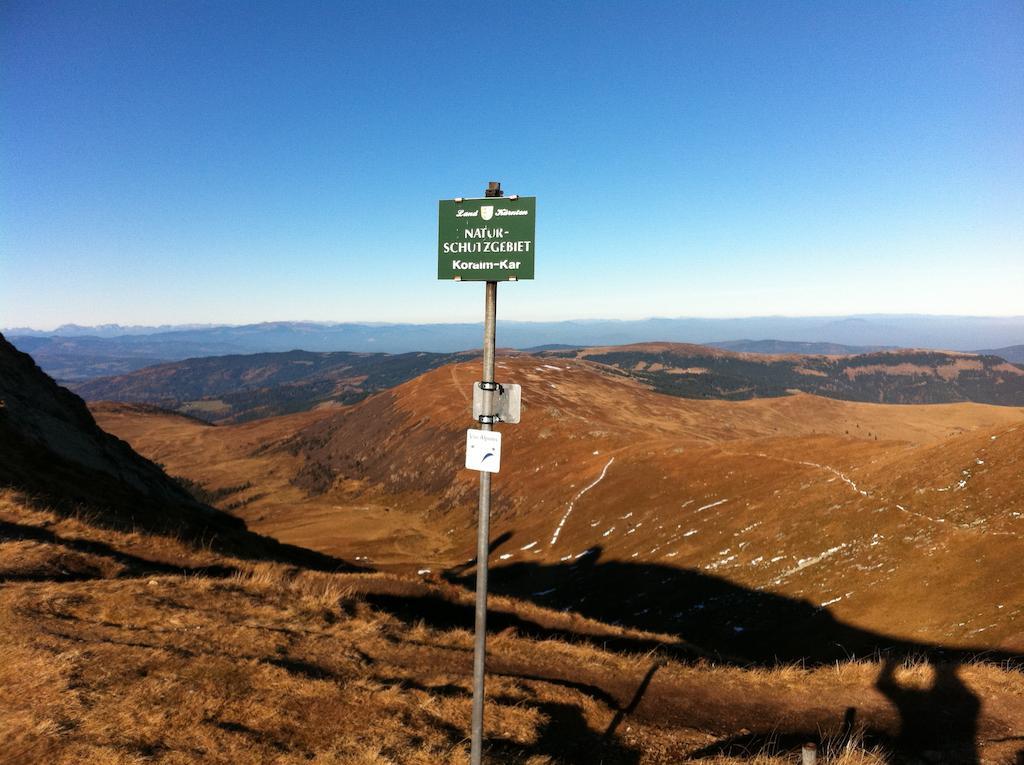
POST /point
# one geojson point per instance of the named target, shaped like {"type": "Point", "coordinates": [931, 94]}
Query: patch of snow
{"type": "Point", "coordinates": [527, 547]}
{"type": "Point", "coordinates": [608, 532]}
{"type": "Point", "coordinates": [506, 556]}
{"type": "Point", "coordinates": [720, 563]}
{"type": "Point", "coordinates": [584, 490]}
{"type": "Point", "coordinates": [423, 571]}
{"type": "Point", "coordinates": [709, 506]}
{"type": "Point", "coordinates": [690, 533]}
{"type": "Point", "coordinates": [813, 560]}
{"type": "Point", "coordinates": [842, 476]}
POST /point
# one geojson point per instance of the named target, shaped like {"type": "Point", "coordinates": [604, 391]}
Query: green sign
{"type": "Point", "coordinates": [486, 240]}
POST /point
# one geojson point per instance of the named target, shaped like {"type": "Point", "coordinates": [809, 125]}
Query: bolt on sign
{"type": "Point", "coordinates": [486, 240]}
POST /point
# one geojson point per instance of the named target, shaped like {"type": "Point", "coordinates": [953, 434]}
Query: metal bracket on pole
{"type": "Point", "coordinates": [505, 403]}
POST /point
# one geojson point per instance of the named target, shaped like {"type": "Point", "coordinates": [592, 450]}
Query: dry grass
{"type": "Point", "coordinates": [274, 665]}
{"type": "Point", "coordinates": [268, 663]}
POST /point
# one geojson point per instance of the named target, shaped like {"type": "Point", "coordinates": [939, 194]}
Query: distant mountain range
{"type": "Point", "coordinates": [238, 388]}
{"type": "Point", "coordinates": [246, 387]}
{"type": "Point", "coordinates": [889, 377]}
{"type": "Point", "coordinates": [777, 347]}
{"type": "Point", "coordinates": [1014, 353]}
{"type": "Point", "coordinates": [103, 330]}
{"type": "Point", "coordinates": [77, 353]}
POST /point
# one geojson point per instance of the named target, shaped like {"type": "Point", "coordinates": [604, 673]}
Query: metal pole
{"type": "Point", "coordinates": [483, 537]}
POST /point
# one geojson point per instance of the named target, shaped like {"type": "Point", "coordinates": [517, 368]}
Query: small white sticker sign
{"type": "Point", "coordinates": [483, 450]}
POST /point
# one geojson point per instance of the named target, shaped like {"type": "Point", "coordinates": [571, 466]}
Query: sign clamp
{"type": "Point", "coordinates": [497, 402]}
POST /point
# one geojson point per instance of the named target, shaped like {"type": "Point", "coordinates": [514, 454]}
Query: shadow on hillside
{"type": "Point", "coordinates": [564, 735]}
{"type": "Point", "coordinates": [143, 498]}
{"type": "Point", "coordinates": [732, 623]}
{"type": "Point", "coordinates": [736, 626]}
{"type": "Point", "coordinates": [203, 527]}
{"type": "Point", "coordinates": [134, 565]}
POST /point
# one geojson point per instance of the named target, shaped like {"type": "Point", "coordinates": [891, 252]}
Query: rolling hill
{"type": "Point", "coordinates": [76, 353]}
{"type": "Point", "coordinates": [783, 347]}
{"type": "Point", "coordinates": [1014, 353]}
{"type": "Point", "coordinates": [897, 377]}
{"type": "Point", "coordinates": [53, 455]}
{"type": "Point", "coordinates": [868, 510]}
{"type": "Point", "coordinates": [137, 624]}
{"type": "Point", "coordinates": [51, 445]}
{"type": "Point", "coordinates": [244, 387]}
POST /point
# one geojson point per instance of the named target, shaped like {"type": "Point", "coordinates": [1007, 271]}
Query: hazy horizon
{"type": "Point", "coordinates": [328, 322]}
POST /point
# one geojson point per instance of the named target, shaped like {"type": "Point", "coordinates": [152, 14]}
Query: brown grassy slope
{"type": "Point", "coordinates": [824, 501]}
{"type": "Point", "coordinates": [277, 664]}
{"type": "Point", "coordinates": [50, 444]}
{"type": "Point", "coordinates": [52, 450]}
{"type": "Point", "coordinates": [118, 645]}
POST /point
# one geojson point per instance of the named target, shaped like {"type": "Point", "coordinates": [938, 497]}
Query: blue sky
{"type": "Point", "coordinates": [236, 162]}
